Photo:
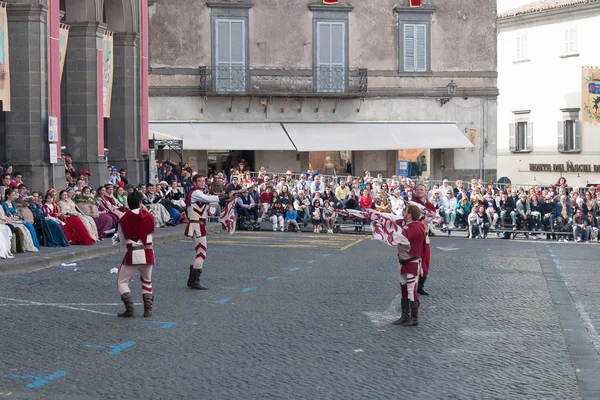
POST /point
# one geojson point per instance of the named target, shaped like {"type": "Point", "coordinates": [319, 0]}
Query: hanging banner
{"type": "Point", "coordinates": [63, 40]}
{"type": "Point", "coordinates": [107, 65]}
{"type": "Point", "coordinates": [590, 95]}
{"type": "Point", "coordinates": [4, 66]}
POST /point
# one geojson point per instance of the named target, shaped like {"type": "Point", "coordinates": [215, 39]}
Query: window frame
{"type": "Point", "coordinates": [525, 145]}
{"type": "Point", "coordinates": [230, 12]}
{"type": "Point", "coordinates": [319, 64]}
{"type": "Point", "coordinates": [416, 17]}
{"type": "Point", "coordinates": [522, 47]}
{"type": "Point", "coordinates": [575, 144]}
{"type": "Point", "coordinates": [570, 37]}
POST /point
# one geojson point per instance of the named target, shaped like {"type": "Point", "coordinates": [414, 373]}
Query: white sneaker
{"type": "Point", "coordinates": [281, 229]}
{"type": "Point", "coordinates": [274, 229]}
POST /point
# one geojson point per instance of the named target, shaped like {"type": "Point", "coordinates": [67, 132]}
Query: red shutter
{"type": "Point", "coordinates": [416, 3]}
{"type": "Point", "coordinates": [330, 1]}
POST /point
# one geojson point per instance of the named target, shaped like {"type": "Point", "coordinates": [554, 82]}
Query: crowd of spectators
{"type": "Point", "coordinates": [77, 214]}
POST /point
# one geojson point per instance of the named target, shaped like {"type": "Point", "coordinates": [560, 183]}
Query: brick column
{"type": "Point", "coordinates": [81, 82]}
{"type": "Point", "coordinates": [124, 134]}
{"type": "Point", "coordinates": [26, 136]}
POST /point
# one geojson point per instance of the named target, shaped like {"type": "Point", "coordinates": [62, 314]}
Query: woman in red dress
{"type": "Point", "coordinates": [74, 229]}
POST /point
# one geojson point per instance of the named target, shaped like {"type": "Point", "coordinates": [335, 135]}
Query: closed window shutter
{"type": "Point", "coordinates": [529, 136]}
{"type": "Point", "coordinates": [421, 48]}
{"type": "Point", "coordinates": [512, 136]}
{"type": "Point", "coordinates": [561, 136]}
{"type": "Point", "coordinates": [331, 74]}
{"type": "Point", "coordinates": [577, 132]}
{"type": "Point", "coordinates": [409, 48]}
{"type": "Point", "coordinates": [230, 52]}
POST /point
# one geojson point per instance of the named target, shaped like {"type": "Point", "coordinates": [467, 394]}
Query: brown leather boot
{"type": "Point", "coordinates": [405, 312]}
{"type": "Point", "coordinates": [414, 314]}
{"type": "Point", "coordinates": [128, 301]}
{"type": "Point", "coordinates": [190, 279]}
{"type": "Point", "coordinates": [148, 300]}
{"type": "Point", "coordinates": [196, 280]}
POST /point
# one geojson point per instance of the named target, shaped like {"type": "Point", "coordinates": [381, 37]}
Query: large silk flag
{"type": "Point", "coordinates": [4, 64]}
{"type": "Point", "coordinates": [107, 64]}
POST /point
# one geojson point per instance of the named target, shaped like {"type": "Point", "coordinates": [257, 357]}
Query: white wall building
{"type": "Point", "coordinates": [543, 125]}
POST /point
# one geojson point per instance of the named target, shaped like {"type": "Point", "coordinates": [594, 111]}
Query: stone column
{"type": "Point", "coordinates": [26, 136]}
{"type": "Point", "coordinates": [80, 79]}
{"type": "Point", "coordinates": [123, 129]}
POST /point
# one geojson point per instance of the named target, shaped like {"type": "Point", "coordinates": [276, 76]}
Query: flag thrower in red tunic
{"type": "Point", "coordinates": [429, 217]}
{"type": "Point", "coordinates": [197, 203]}
{"type": "Point", "coordinates": [136, 228]}
{"type": "Point", "coordinates": [407, 234]}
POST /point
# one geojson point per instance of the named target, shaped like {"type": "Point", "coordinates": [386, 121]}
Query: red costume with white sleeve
{"type": "Point", "coordinates": [197, 211]}
{"type": "Point", "coordinates": [136, 228]}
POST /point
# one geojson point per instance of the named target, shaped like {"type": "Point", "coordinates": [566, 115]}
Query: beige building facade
{"type": "Point", "coordinates": [286, 84]}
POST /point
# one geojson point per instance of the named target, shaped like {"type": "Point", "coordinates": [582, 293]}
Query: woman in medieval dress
{"type": "Point", "coordinates": [69, 208]}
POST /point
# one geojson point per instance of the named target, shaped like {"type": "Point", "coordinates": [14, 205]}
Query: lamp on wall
{"type": "Point", "coordinates": [451, 88]}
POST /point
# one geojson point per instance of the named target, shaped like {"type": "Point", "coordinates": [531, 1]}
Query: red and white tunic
{"type": "Point", "coordinates": [137, 227]}
{"type": "Point", "coordinates": [197, 212]}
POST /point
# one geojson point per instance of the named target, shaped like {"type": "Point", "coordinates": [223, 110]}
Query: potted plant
{"type": "Point", "coordinates": [86, 204]}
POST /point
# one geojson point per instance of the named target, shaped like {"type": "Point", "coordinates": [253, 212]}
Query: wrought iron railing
{"type": "Point", "coordinates": [267, 81]}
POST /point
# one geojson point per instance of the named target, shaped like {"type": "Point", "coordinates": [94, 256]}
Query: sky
{"type": "Point", "coordinates": [504, 5]}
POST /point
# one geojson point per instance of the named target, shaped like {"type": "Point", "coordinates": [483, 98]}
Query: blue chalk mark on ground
{"type": "Point", "coordinates": [311, 261]}
{"type": "Point", "coordinates": [221, 301]}
{"type": "Point", "coordinates": [163, 325]}
{"type": "Point", "coordinates": [568, 284]}
{"type": "Point", "coordinates": [114, 349]}
{"type": "Point", "coordinates": [326, 255]}
{"type": "Point", "coordinates": [294, 269]}
{"type": "Point", "coordinates": [272, 278]}
{"type": "Point", "coordinates": [66, 268]}
{"type": "Point", "coordinates": [39, 381]}
{"type": "Point", "coordinates": [249, 289]}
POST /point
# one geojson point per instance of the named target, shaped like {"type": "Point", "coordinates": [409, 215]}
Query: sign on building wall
{"type": "Point", "coordinates": [473, 138]}
{"type": "Point", "coordinates": [62, 49]}
{"type": "Point", "coordinates": [107, 64]}
{"type": "Point", "coordinates": [4, 65]}
{"type": "Point", "coordinates": [590, 94]}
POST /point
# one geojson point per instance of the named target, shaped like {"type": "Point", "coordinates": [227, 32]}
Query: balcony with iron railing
{"type": "Point", "coordinates": [332, 81]}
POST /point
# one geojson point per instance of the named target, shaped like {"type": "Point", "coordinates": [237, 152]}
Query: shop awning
{"type": "Point", "coordinates": [161, 136]}
{"type": "Point", "coordinates": [229, 136]}
{"type": "Point", "coordinates": [309, 136]}
{"type": "Point", "coordinates": [376, 136]}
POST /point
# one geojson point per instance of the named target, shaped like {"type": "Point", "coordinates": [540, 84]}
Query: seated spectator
{"type": "Point", "coordinates": [547, 213]}
{"type": "Point", "coordinates": [246, 206]}
{"type": "Point", "coordinates": [535, 215]}
{"type": "Point", "coordinates": [328, 216]}
{"type": "Point", "coordinates": [54, 235]}
{"type": "Point", "coordinates": [329, 195]}
{"type": "Point", "coordinates": [397, 203]}
{"type": "Point", "coordinates": [285, 196]}
{"type": "Point", "coordinates": [463, 209]}
{"type": "Point", "coordinates": [508, 207]}
{"type": "Point", "coordinates": [381, 202]}
{"type": "Point", "coordinates": [277, 215]}
{"type": "Point", "coordinates": [562, 216]}
{"type": "Point", "coordinates": [302, 207]}
{"type": "Point", "coordinates": [592, 224]}
{"type": "Point", "coordinates": [448, 208]}
{"type": "Point", "coordinates": [479, 223]}
{"type": "Point", "coordinates": [290, 219]}
{"type": "Point", "coordinates": [365, 202]}
{"type": "Point", "coordinates": [266, 197]}
{"type": "Point", "coordinates": [341, 192]}
{"type": "Point", "coordinates": [14, 219]}
{"type": "Point", "coordinates": [581, 230]}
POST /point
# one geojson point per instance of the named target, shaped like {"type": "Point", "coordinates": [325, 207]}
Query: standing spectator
{"type": "Point", "coordinates": [114, 177]}
{"type": "Point", "coordinates": [123, 176]}
{"type": "Point", "coordinates": [317, 219]}
{"type": "Point", "coordinates": [174, 175]}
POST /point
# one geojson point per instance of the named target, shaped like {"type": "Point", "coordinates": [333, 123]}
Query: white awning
{"type": "Point", "coordinates": [376, 136]}
{"type": "Point", "coordinates": [228, 136]}
{"type": "Point", "coordinates": [161, 136]}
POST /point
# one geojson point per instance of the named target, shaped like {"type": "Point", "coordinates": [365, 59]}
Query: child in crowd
{"type": "Point", "coordinates": [290, 218]}
{"type": "Point", "coordinates": [328, 216]}
{"type": "Point", "coordinates": [366, 201]}
{"type": "Point", "coordinates": [277, 213]}
{"type": "Point", "coordinates": [316, 215]}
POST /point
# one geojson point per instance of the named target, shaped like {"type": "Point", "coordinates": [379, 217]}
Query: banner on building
{"type": "Point", "coordinates": [4, 64]}
{"type": "Point", "coordinates": [590, 91]}
{"type": "Point", "coordinates": [62, 49]}
{"type": "Point", "coordinates": [107, 76]}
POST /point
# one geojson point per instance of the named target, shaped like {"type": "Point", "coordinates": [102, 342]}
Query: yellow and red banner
{"type": "Point", "coordinates": [590, 92]}
{"type": "Point", "coordinates": [416, 3]}
{"type": "Point", "coordinates": [4, 64]}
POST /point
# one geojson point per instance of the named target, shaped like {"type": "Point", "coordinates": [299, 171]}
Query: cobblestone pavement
{"type": "Point", "coordinates": [302, 316]}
